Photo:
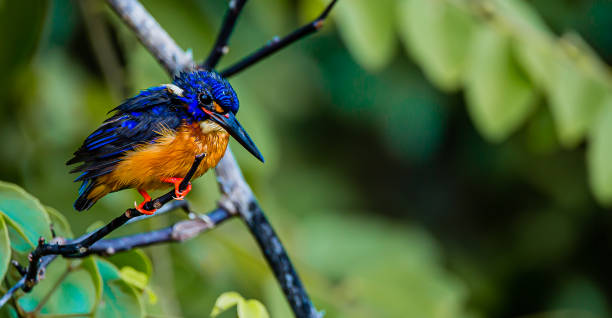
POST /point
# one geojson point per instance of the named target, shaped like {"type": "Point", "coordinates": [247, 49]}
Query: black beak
{"type": "Point", "coordinates": [228, 122]}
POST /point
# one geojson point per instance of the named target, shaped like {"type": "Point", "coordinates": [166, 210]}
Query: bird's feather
{"type": "Point", "coordinates": [137, 121]}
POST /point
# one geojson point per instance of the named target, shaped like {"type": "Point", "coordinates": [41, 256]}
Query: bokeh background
{"type": "Point", "coordinates": [423, 158]}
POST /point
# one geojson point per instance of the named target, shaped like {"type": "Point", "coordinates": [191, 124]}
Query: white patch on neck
{"type": "Point", "coordinates": [208, 126]}
{"type": "Point", "coordinates": [175, 89]}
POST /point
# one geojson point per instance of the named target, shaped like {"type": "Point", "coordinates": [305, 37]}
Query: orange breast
{"type": "Point", "coordinates": [170, 156]}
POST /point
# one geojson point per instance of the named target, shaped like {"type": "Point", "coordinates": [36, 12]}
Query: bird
{"type": "Point", "coordinates": [151, 139]}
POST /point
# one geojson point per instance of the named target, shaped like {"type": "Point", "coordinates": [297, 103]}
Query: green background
{"type": "Point", "coordinates": [418, 163]}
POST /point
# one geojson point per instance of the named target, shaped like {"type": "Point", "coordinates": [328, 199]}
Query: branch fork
{"type": "Point", "coordinates": [80, 247]}
{"type": "Point", "coordinates": [237, 197]}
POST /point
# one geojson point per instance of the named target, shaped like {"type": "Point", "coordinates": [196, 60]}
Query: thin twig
{"type": "Point", "coordinates": [9, 294]}
{"type": "Point", "coordinates": [80, 246]}
{"type": "Point", "coordinates": [229, 22]}
{"type": "Point", "coordinates": [237, 196]}
{"type": "Point", "coordinates": [277, 44]}
{"type": "Point", "coordinates": [171, 206]}
{"type": "Point", "coordinates": [179, 232]}
{"type": "Point", "coordinates": [103, 247]}
{"type": "Point", "coordinates": [44, 262]}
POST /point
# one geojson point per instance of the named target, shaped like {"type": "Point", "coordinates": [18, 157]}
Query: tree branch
{"type": "Point", "coordinates": [179, 232]}
{"type": "Point", "coordinates": [278, 44]}
{"type": "Point", "coordinates": [229, 22]}
{"type": "Point", "coordinates": [80, 246]}
{"type": "Point", "coordinates": [237, 195]}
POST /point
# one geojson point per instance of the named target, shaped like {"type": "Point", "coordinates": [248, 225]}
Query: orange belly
{"type": "Point", "coordinates": [170, 156]}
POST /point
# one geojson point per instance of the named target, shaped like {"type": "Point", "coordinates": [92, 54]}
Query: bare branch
{"type": "Point", "coordinates": [277, 44]}
{"type": "Point", "coordinates": [179, 232]}
{"type": "Point", "coordinates": [171, 206]}
{"type": "Point", "coordinates": [44, 262]}
{"type": "Point", "coordinates": [237, 195]}
{"type": "Point", "coordinates": [81, 245]}
{"type": "Point", "coordinates": [237, 199]}
{"type": "Point", "coordinates": [112, 246]}
{"type": "Point", "coordinates": [229, 22]}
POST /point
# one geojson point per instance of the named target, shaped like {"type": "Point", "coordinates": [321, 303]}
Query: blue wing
{"type": "Point", "coordinates": [137, 121]}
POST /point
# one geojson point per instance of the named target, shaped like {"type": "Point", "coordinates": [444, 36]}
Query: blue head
{"type": "Point", "coordinates": [204, 91]}
{"type": "Point", "coordinates": [208, 96]}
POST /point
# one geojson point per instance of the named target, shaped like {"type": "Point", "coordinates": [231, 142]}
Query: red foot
{"type": "Point", "coordinates": [177, 183]}
{"type": "Point", "coordinates": [140, 207]}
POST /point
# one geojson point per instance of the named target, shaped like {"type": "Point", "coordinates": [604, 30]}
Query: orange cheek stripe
{"type": "Point", "coordinates": [218, 108]}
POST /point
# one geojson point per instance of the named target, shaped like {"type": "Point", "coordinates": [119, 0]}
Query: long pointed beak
{"type": "Point", "coordinates": [233, 127]}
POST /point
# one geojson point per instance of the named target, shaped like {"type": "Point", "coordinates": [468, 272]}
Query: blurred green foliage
{"type": "Point", "coordinates": [389, 196]}
{"type": "Point", "coordinates": [91, 287]}
{"type": "Point", "coordinates": [245, 308]}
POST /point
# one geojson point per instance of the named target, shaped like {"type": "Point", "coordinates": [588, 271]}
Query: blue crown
{"type": "Point", "coordinates": [219, 88]}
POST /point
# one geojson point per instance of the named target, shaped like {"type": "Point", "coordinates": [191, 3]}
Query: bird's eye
{"type": "Point", "coordinates": [205, 99]}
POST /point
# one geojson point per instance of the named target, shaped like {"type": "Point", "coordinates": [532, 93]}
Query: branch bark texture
{"type": "Point", "coordinates": [237, 197]}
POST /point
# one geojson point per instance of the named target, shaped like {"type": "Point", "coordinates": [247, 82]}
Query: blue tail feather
{"type": "Point", "coordinates": [82, 202]}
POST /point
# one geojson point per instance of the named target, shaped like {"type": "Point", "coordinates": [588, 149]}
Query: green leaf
{"type": "Point", "coordinates": [252, 309]}
{"type": "Point", "coordinates": [138, 280]}
{"type": "Point", "coordinates": [499, 95]}
{"type": "Point", "coordinates": [599, 156]}
{"type": "Point", "coordinates": [246, 308]}
{"type": "Point", "coordinates": [16, 233]}
{"type": "Point", "coordinates": [119, 299]}
{"type": "Point", "coordinates": [5, 248]}
{"type": "Point", "coordinates": [136, 259]}
{"type": "Point", "coordinates": [442, 47]}
{"type": "Point", "coordinates": [135, 269]}
{"type": "Point", "coordinates": [60, 224]}
{"type": "Point", "coordinates": [76, 294]}
{"type": "Point", "coordinates": [72, 291]}
{"type": "Point", "coordinates": [134, 277]}
{"type": "Point", "coordinates": [226, 301]}
{"type": "Point", "coordinates": [535, 56]}
{"type": "Point", "coordinates": [91, 267]}
{"type": "Point", "coordinates": [27, 216]}
{"type": "Point", "coordinates": [576, 97]}
{"type": "Point", "coordinates": [367, 28]}
{"type": "Point", "coordinates": [520, 14]}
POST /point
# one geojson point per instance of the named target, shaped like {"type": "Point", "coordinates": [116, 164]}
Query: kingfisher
{"type": "Point", "coordinates": [151, 139]}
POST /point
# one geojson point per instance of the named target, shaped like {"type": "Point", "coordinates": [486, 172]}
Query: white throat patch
{"type": "Point", "coordinates": [209, 126]}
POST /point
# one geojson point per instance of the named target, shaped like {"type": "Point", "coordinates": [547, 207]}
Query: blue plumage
{"type": "Point", "coordinates": [101, 142]}
{"type": "Point", "coordinates": [191, 98]}
{"type": "Point", "coordinates": [210, 82]}
{"type": "Point", "coordinates": [135, 122]}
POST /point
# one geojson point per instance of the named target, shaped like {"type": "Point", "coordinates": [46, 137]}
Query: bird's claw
{"type": "Point", "coordinates": [140, 208]}
{"type": "Point", "coordinates": [178, 194]}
